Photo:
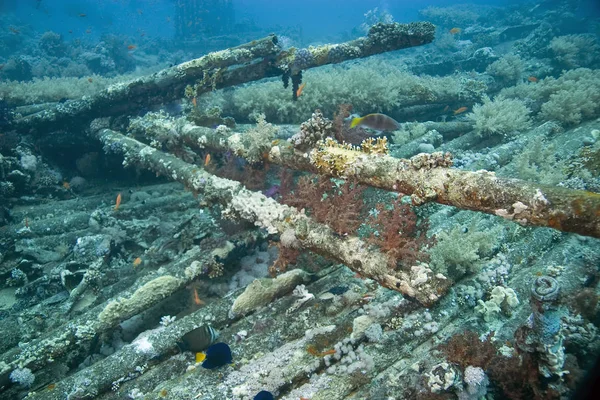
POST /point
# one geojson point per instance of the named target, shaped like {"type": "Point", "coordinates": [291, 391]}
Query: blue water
{"type": "Point", "coordinates": [317, 19]}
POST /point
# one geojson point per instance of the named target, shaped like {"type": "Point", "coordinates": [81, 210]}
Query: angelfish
{"type": "Point", "coordinates": [379, 122]}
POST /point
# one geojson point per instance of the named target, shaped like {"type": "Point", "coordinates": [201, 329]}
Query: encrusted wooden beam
{"type": "Point", "coordinates": [252, 61]}
{"type": "Point", "coordinates": [426, 177]}
{"type": "Point", "coordinates": [302, 231]}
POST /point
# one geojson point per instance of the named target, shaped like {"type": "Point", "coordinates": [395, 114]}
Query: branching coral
{"type": "Point", "coordinates": [500, 116]}
{"type": "Point", "coordinates": [338, 204]}
{"type": "Point", "coordinates": [398, 234]}
{"type": "Point", "coordinates": [508, 68]}
{"type": "Point", "coordinates": [456, 252]}
{"type": "Point", "coordinates": [573, 51]}
{"type": "Point", "coordinates": [569, 99]}
{"type": "Point", "coordinates": [253, 144]}
{"type": "Point", "coordinates": [377, 86]}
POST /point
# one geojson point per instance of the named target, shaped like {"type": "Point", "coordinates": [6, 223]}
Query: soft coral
{"type": "Point", "coordinates": [339, 206]}
{"type": "Point", "coordinates": [398, 233]}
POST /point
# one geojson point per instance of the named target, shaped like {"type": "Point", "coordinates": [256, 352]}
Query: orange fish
{"type": "Point", "coordinates": [131, 47]}
{"type": "Point", "coordinates": [82, 15]}
{"type": "Point", "coordinates": [460, 110]}
{"type": "Point", "coordinates": [300, 89]}
{"type": "Point", "coordinates": [194, 102]}
{"type": "Point", "coordinates": [207, 160]}
{"type": "Point", "coordinates": [532, 79]}
{"type": "Point", "coordinates": [137, 262]}
{"type": "Point", "coordinates": [66, 185]}
{"type": "Point", "coordinates": [455, 31]}
{"type": "Point", "coordinates": [197, 300]}
{"type": "Point", "coordinates": [118, 202]}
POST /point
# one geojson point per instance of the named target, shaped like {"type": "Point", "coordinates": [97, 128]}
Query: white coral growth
{"type": "Point", "coordinates": [303, 296]}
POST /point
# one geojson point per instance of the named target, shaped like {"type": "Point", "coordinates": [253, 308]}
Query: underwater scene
{"type": "Point", "coordinates": [299, 200]}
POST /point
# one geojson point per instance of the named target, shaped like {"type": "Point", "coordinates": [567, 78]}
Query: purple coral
{"type": "Point", "coordinates": [303, 59]}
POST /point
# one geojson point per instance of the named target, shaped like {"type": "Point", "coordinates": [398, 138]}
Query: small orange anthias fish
{"type": "Point", "coordinates": [137, 262]}
{"type": "Point", "coordinates": [118, 202]}
{"type": "Point", "coordinates": [455, 31]}
{"type": "Point", "coordinates": [300, 89]}
{"type": "Point", "coordinates": [66, 185]}
{"type": "Point", "coordinates": [207, 160]}
{"type": "Point", "coordinates": [532, 79]}
{"type": "Point", "coordinates": [131, 47]}
{"type": "Point", "coordinates": [194, 102]}
{"type": "Point", "coordinates": [197, 300]}
{"type": "Point", "coordinates": [460, 110]}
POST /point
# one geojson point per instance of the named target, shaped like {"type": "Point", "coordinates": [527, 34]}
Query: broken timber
{"type": "Point", "coordinates": [426, 178]}
{"type": "Point", "coordinates": [242, 204]}
{"type": "Point", "coordinates": [252, 61]}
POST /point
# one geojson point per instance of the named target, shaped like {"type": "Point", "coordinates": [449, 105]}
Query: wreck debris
{"type": "Point", "coordinates": [242, 204]}
{"type": "Point", "coordinates": [222, 69]}
{"type": "Point", "coordinates": [426, 177]}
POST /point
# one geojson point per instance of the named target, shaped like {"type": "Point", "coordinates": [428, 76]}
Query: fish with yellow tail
{"type": "Point", "coordinates": [378, 122]}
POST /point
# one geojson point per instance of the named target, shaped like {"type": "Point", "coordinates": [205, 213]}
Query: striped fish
{"type": "Point", "coordinates": [379, 122]}
{"type": "Point", "coordinates": [198, 339]}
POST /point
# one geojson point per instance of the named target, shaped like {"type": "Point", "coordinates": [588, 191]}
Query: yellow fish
{"type": "Point", "coordinates": [379, 122]}
{"type": "Point", "coordinates": [200, 357]}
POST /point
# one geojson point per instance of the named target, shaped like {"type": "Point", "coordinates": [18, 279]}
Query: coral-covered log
{"type": "Point", "coordinates": [426, 177]}
{"type": "Point", "coordinates": [162, 87]}
{"type": "Point", "coordinates": [222, 69]}
{"type": "Point", "coordinates": [243, 204]}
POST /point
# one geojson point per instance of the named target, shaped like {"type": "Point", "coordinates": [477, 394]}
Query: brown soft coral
{"type": "Point", "coordinates": [398, 233]}
{"type": "Point", "coordinates": [339, 206]}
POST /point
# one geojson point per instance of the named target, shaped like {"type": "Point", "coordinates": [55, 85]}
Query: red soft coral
{"type": "Point", "coordinates": [341, 207]}
{"type": "Point", "coordinates": [399, 235]}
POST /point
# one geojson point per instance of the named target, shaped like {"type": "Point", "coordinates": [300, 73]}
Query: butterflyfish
{"type": "Point", "coordinates": [379, 122]}
{"type": "Point", "coordinates": [199, 339]}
